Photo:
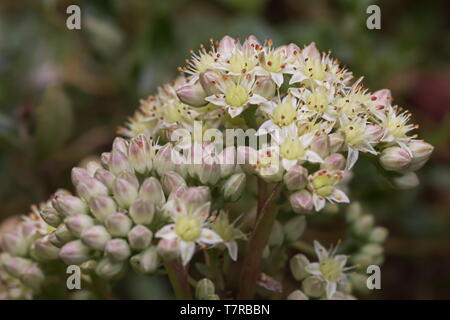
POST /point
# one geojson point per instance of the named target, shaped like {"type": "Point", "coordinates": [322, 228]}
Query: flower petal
{"type": "Point", "coordinates": [209, 237]}
{"type": "Point", "coordinates": [331, 289]}
{"type": "Point", "coordinates": [320, 250]}
{"type": "Point", "coordinates": [339, 196]}
{"type": "Point", "coordinates": [232, 249]}
{"type": "Point", "coordinates": [313, 268]}
{"type": "Point", "coordinates": [187, 250]}
{"type": "Point", "coordinates": [167, 232]}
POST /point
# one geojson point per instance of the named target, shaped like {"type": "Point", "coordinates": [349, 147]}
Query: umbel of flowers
{"type": "Point", "coordinates": [147, 205]}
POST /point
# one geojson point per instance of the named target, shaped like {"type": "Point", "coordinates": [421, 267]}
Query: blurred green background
{"type": "Point", "coordinates": [64, 92]}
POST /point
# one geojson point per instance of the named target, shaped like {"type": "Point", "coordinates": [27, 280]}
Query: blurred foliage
{"type": "Point", "coordinates": [63, 92]}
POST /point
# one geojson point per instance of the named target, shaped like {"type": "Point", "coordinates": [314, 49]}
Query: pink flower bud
{"type": "Point", "coordinates": [118, 162]}
{"type": "Point", "coordinates": [105, 177]}
{"type": "Point", "coordinates": [407, 181]}
{"type": "Point", "coordinates": [117, 249]}
{"type": "Point", "coordinates": [301, 201]}
{"type": "Point", "coordinates": [32, 276]}
{"type": "Point", "coordinates": [163, 160]}
{"type": "Point", "coordinates": [74, 252]}
{"type": "Point", "coordinates": [193, 95]}
{"type": "Point", "coordinates": [172, 180]}
{"type": "Point", "coordinates": [265, 87]}
{"type": "Point", "coordinates": [124, 192]}
{"type": "Point", "coordinates": [233, 187]}
{"type": "Point", "coordinates": [96, 237]}
{"type": "Point", "coordinates": [142, 211]}
{"type": "Point", "coordinates": [120, 144]}
{"type": "Point", "coordinates": [118, 224]}
{"type": "Point", "coordinates": [15, 242]}
{"type": "Point", "coordinates": [168, 248]}
{"type": "Point", "coordinates": [321, 145]}
{"type": "Point", "coordinates": [140, 154]}
{"type": "Point", "coordinates": [421, 152]}
{"type": "Point", "coordinates": [335, 161]}
{"type": "Point", "coordinates": [102, 207]}
{"type": "Point", "coordinates": [151, 190]}
{"type": "Point", "coordinates": [226, 45]}
{"type": "Point", "coordinates": [208, 81]}
{"type": "Point", "coordinates": [45, 250]}
{"type": "Point", "coordinates": [89, 188]}
{"type": "Point", "coordinates": [108, 269]}
{"type": "Point", "coordinates": [77, 223]}
{"type": "Point", "coordinates": [336, 142]}
{"type": "Point", "coordinates": [295, 178]}
{"type": "Point", "coordinates": [395, 159]}
{"type": "Point", "coordinates": [68, 205]}
{"type": "Point", "coordinates": [146, 262]}
{"type": "Point", "coordinates": [139, 237]}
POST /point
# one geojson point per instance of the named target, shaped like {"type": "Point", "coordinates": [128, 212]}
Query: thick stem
{"type": "Point", "coordinates": [262, 196]}
{"type": "Point", "coordinates": [179, 279]}
{"type": "Point", "coordinates": [255, 247]}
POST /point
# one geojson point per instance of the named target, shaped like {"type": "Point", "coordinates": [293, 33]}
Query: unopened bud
{"type": "Point", "coordinates": [364, 224]}
{"type": "Point", "coordinates": [146, 262]}
{"type": "Point", "coordinates": [208, 172]}
{"type": "Point", "coordinates": [63, 234]}
{"type": "Point", "coordinates": [168, 248]}
{"type": "Point", "coordinates": [336, 142]}
{"type": "Point", "coordinates": [372, 249]}
{"type": "Point", "coordinates": [140, 154]}
{"type": "Point", "coordinates": [408, 180]}
{"type": "Point", "coordinates": [44, 250]}
{"type": "Point", "coordinates": [102, 207]}
{"type": "Point", "coordinates": [15, 242]}
{"type": "Point", "coordinates": [54, 239]}
{"type": "Point", "coordinates": [233, 187]}
{"type": "Point", "coordinates": [142, 211]}
{"type": "Point", "coordinates": [297, 265]}
{"type": "Point", "coordinates": [193, 95]}
{"type": "Point", "coordinates": [151, 190]}
{"type": "Point", "coordinates": [276, 235]}
{"type": "Point", "coordinates": [265, 87]}
{"type": "Point", "coordinates": [139, 237]}
{"type": "Point", "coordinates": [208, 81]}
{"type": "Point", "coordinates": [105, 177]}
{"type": "Point", "coordinates": [124, 192]}
{"type": "Point", "coordinates": [120, 144]}
{"type": "Point", "coordinates": [294, 228]}
{"type": "Point", "coordinates": [395, 159]}
{"type": "Point", "coordinates": [89, 188]}
{"type": "Point", "coordinates": [301, 201]}
{"type": "Point", "coordinates": [297, 295]}
{"type": "Point", "coordinates": [108, 269]}
{"type": "Point", "coordinates": [421, 152]}
{"type": "Point", "coordinates": [75, 252]}
{"type": "Point", "coordinates": [77, 223]}
{"type": "Point", "coordinates": [164, 160]}
{"type": "Point", "coordinates": [50, 215]}
{"type": "Point", "coordinates": [295, 178]}
{"type": "Point", "coordinates": [194, 195]}
{"type": "Point", "coordinates": [313, 286]}
{"type": "Point", "coordinates": [118, 224]}
{"type": "Point", "coordinates": [204, 289]}
{"type": "Point", "coordinates": [117, 249]}
{"type": "Point", "coordinates": [335, 161]}
{"type": "Point", "coordinates": [96, 237]}
{"type": "Point", "coordinates": [321, 145]}
{"type": "Point", "coordinates": [32, 276]}
{"type": "Point", "coordinates": [68, 205]}
{"type": "Point", "coordinates": [378, 235]}
{"type": "Point", "coordinates": [78, 175]}
{"type": "Point", "coordinates": [354, 212]}
{"type": "Point", "coordinates": [172, 180]}
{"type": "Point", "coordinates": [118, 162]}
{"type": "Point", "coordinates": [227, 160]}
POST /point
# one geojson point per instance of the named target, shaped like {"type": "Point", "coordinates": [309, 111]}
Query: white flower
{"type": "Point", "coordinates": [331, 268]}
{"type": "Point", "coordinates": [281, 112]}
{"type": "Point", "coordinates": [294, 148]}
{"type": "Point", "coordinates": [323, 185]}
{"type": "Point", "coordinates": [358, 137]}
{"type": "Point", "coordinates": [229, 233]}
{"type": "Point", "coordinates": [189, 228]}
{"type": "Point", "coordinates": [236, 94]}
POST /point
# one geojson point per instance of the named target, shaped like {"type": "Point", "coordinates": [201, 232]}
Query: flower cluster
{"type": "Point", "coordinates": [166, 190]}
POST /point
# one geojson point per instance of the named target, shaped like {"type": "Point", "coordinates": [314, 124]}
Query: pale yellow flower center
{"type": "Point", "coordinates": [354, 134]}
{"type": "Point", "coordinates": [236, 95]}
{"type": "Point", "coordinates": [273, 62]}
{"type": "Point", "coordinates": [314, 69]}
{"type": "Point", "coordinates": [240, 63]}
{"type": "Point", "coordinates": [317, 101]}
{"type": "Point", "coordinates": [395, 127]}
{"type": "Point", "coordinates": [323, 183]}
{"type": "Point", "coordinates": [330, 269]}
{"type": "Point", "coordinates": [284, 114]}
{"type": "Point", "coordinates": [188, 228]}
{"type": "Point", "coordinates": [292, 148]}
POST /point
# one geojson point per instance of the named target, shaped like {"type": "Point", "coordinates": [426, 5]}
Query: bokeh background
{"type": "Point", "coordinates": [64, 92]}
